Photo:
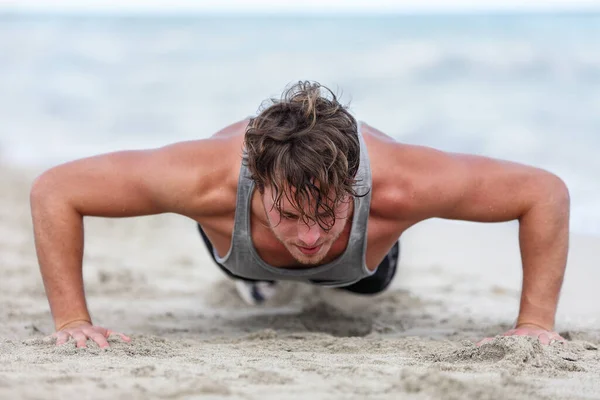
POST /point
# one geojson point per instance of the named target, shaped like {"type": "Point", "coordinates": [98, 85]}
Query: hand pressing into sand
{"type": "Point", "coordinates": [545, 336]}
{"type": "Point", "coordinates": [81, 331]}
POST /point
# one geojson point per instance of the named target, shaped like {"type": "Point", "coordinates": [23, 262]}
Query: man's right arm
{"type": "Point", "coordinates": [177, 178]}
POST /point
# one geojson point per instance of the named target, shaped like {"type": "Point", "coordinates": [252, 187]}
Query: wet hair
{"type": "Point", "coordinates": [304, 146]}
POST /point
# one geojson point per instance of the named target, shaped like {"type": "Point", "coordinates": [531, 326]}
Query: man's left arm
{"type": "Point", "coordinates": [481, 189]}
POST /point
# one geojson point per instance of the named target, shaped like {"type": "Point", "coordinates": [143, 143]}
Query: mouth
{"type": "Point", "coordinates": [310, 250]}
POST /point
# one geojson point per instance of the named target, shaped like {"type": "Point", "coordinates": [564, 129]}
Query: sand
{"type": "Point", "coordinates": [192, 337]}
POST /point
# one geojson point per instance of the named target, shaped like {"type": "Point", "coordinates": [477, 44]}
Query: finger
{"type": "Point", "coordinates": [99, 329]}
{"type": "Point", "coordinates": [99, 339]}
{"type": "Point", "coordinates": [510, 332]}
{"type": "Point", "coordinates": [80, 338]}
{"type": "Point", "coordinates": [559, 338]}
{"type": "Point", "coordinates": [125, 338]}
{"type": "Point", "coordinates": [484, 341]}
{"type": "Point", "coordinates": [544, 338]}
{"type": "Point", "coordinates": [62, 337]}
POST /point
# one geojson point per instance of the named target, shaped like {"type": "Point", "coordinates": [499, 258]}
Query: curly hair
{"type": "Point", "coordinates": [304, 146]}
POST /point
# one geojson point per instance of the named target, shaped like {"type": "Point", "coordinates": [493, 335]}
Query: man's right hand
{"type": "Point", "coordinates": [81, 331]}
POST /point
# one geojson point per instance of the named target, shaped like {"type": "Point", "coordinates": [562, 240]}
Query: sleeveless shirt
{"type": "Point", "coordinates": [243, 260]}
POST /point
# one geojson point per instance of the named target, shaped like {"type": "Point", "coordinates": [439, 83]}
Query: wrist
{"type": "Point", "coordinates": [536, 313]}
{"type": "Point", "coordinates": [72, 323]}
{"type": "Point", "coordinates": [529, 324]}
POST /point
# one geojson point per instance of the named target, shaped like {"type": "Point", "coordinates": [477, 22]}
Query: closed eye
{"type": "Point", "coordinates": [294, 216]}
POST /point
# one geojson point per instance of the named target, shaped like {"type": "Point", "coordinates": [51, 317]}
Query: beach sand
{"type": "Point", "coordinates": [192, 337]}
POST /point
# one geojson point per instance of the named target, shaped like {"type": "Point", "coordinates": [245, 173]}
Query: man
{"type": "Point", "coordinates": [300, 192]}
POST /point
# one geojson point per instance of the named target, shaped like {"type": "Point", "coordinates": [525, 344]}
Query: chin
{"type": "Point", "coordinates": [312, 259]}
{"type": "Point", "coordinates": [308, 261]}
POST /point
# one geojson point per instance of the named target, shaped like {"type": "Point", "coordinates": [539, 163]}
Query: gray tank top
{"type": "Point", "coordinates": [350, 267]}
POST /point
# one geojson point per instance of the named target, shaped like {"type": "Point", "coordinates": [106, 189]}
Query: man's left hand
{"type": "Point", "coordinates": [544, 336]}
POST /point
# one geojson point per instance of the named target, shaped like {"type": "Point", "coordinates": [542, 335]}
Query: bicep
{"type": "Point", "coordinates": [473, 188]}
{"type": "Point", "coordinates": [124, 184]}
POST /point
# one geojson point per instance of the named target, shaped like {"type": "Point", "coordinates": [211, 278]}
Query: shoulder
{"type": "Point", "coordinates": [403, 173]}
{"type": "Point", "coordinates": [211, 157]}
{"type": "Point", "coordinates": [209, 167]}
{"type": "Point", "coordinates": [388, 190]}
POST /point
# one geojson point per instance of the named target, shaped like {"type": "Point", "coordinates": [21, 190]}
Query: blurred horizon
{"type": "Point", "coordinates": [518, 87]}
{"type": "Point", "coordinates": [311, 7]}
{"type": "Point", "coordinates": [308, 15]}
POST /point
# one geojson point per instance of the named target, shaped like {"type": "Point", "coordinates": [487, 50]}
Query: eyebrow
{"type": "Point", "coordinates": [291, 214]}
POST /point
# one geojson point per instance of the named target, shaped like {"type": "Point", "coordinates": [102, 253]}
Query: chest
{"type": "Point", "coordinates": [381, 235]}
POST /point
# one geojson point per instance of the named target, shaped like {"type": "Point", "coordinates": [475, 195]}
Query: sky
{"type": "Point", "coordinates": [250, 6]}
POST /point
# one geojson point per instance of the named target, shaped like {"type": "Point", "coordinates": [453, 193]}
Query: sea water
{"type": "Point", "coordinates": [521, 87]}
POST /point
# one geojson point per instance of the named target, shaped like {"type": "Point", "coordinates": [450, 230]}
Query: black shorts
{"type": "Point", "coordinates": [373, 284]}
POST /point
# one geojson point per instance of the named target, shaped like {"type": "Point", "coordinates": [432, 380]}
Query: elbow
{"type": "Point", "coordinates": [38, 191]}
{"type": "Point", "coordinates": [559, 191]}
{"type": "Point", "coordinates": [549, 197]}
{"type": "Point", "coordinates": [43, 189]}
{"type": "Point", "coordinates": [555, 194]}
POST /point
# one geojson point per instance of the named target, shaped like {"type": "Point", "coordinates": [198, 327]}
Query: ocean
{"type": "Point", "coordinates": [521, 87]}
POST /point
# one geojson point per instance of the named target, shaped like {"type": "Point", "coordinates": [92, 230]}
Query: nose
{"type": "Point", "coordinates": [309, 234]}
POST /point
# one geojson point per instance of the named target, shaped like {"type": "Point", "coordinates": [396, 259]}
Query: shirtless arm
{"type": "Point", "coordinates": [474, 188]}
{"type": "Point", "coordinates": [175, 178]}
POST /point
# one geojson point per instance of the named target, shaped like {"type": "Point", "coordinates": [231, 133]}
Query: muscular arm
{"type": "Point", "coordinates": [473, 188]}
{"type": "Point", "coordinates": [175, 178]}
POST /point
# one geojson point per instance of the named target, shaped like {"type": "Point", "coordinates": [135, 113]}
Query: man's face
{"type": "Point", "coordinates": [307, 242]}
